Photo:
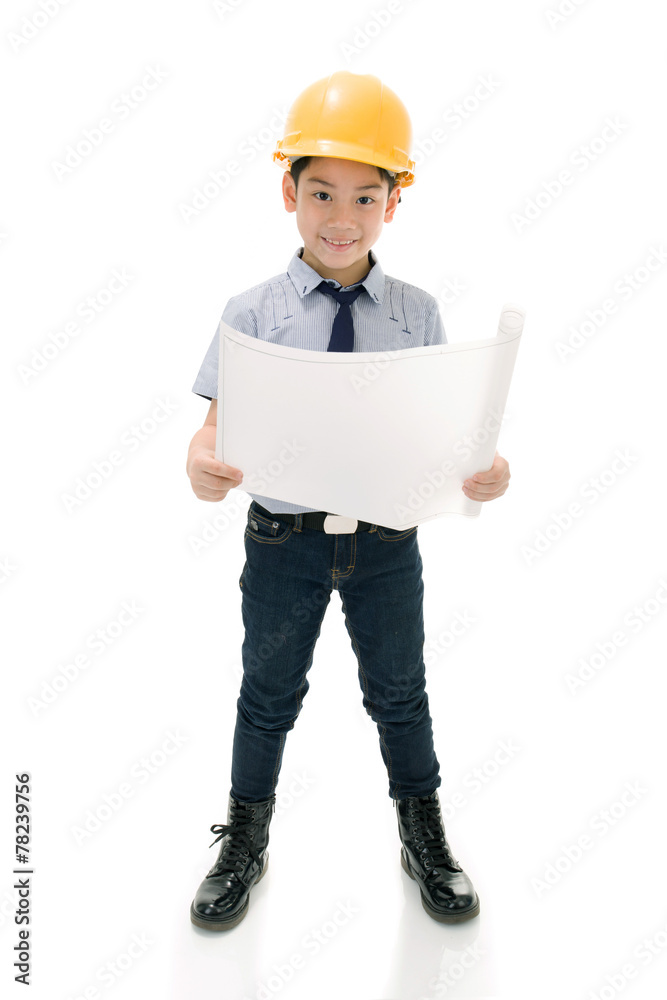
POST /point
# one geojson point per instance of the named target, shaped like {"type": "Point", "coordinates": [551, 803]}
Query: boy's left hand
{"type": "Point", "coordinates": [491, 484]}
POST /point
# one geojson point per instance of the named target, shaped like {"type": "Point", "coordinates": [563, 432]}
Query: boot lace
{"type": "Point", "coordinates": [426, 821]}
{"type": "Point", "coordinates": [235, 852]}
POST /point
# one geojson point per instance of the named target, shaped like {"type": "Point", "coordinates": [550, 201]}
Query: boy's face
{"type": "Point", "coordinates": [339, 202]}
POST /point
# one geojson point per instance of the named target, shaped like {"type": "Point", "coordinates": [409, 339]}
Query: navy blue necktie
{"type": "Point", "coordinates": [342, 332]}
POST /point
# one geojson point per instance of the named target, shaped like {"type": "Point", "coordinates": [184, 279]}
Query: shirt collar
{"type": "Point", "coordinates": [305, 279]}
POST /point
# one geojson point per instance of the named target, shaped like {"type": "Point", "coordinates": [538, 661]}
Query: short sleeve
{"type": "Point", "coordinates": [435, 330]}
{"type": "Point", "coordinates": [238, 316]}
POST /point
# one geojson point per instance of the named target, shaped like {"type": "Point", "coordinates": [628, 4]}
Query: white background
{"type": "Point", "coordinates": [223, 75]}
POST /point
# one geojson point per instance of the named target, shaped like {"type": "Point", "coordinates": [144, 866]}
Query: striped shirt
{"type": "Point", "coordinates": [392, 316]}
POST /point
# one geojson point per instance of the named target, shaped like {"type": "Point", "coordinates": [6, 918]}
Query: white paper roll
{"type": "Point", "coordinates": [511, 319]}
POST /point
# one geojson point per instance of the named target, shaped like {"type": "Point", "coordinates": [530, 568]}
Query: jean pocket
{"type": "Point", "coordinates": [393, 534]}
{"type": "Point", "coordinates": [269, 531]}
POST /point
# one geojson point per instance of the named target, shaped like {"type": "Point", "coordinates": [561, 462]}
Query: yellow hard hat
{"type": "Point", "coordinates": [353, 117]}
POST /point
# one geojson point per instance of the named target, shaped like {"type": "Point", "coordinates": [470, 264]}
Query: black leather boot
{"type": "Point", "coordinates": [221, 901]}
{"type": "Point", "coordinates": [447, 892]}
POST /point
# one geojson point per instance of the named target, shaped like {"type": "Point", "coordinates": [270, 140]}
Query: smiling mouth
{"type": "Point", "coordinates": [339, 243]}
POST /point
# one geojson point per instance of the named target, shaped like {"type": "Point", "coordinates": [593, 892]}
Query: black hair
{"type": "Point", "coordinates": [298, 165]}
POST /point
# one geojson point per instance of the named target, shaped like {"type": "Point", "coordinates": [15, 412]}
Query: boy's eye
{"type": "Point", "coordinates": [324, 195]}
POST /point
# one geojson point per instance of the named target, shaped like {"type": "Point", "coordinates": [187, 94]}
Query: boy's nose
{"type": "Point", "coordinates": [341, 217]}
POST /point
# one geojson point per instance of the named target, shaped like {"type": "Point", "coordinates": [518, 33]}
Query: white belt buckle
{"type": "Point", "coordinates": [336, 524]}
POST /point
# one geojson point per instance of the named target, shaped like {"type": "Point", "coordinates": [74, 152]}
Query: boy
{"type": "Point", "coordinates": [346, 146]}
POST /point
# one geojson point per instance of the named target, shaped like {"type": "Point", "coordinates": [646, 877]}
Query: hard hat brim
{"type": "Point", "coordinates": [403, 170]}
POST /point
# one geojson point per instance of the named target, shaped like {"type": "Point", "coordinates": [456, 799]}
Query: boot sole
{"type": "Point", "coordinates": [443, 918]}
{"type": "Point", "coordinates": [226, 923]}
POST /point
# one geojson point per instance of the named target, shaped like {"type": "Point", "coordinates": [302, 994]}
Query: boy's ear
{"type": "Point", "coordinates": [289, 192]}
{"type": "Point", "coordinates": [392, 203]}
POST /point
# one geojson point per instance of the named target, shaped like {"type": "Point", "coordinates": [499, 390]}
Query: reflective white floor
{"type": "Point", "coordinates": [557, 816]}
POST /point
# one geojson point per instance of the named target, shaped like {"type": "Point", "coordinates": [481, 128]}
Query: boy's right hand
{"type": "Point", "coordinates": [210, 479]}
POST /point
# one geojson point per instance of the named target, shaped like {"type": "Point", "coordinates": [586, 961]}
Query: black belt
{"type": "Point", "coordinates": [309, 519]}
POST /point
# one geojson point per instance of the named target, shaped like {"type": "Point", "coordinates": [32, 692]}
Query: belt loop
{"type": "Point", "coordinates": [298, 520]}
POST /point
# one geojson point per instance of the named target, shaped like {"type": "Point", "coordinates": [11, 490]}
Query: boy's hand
{"type": "Point", "coordinates": [210, 479]}
{"type": "Point", "coordinates": [491, 484]}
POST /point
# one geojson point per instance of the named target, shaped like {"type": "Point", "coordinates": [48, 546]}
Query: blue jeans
{"type": "Point", "coordinates": [286, 583]}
